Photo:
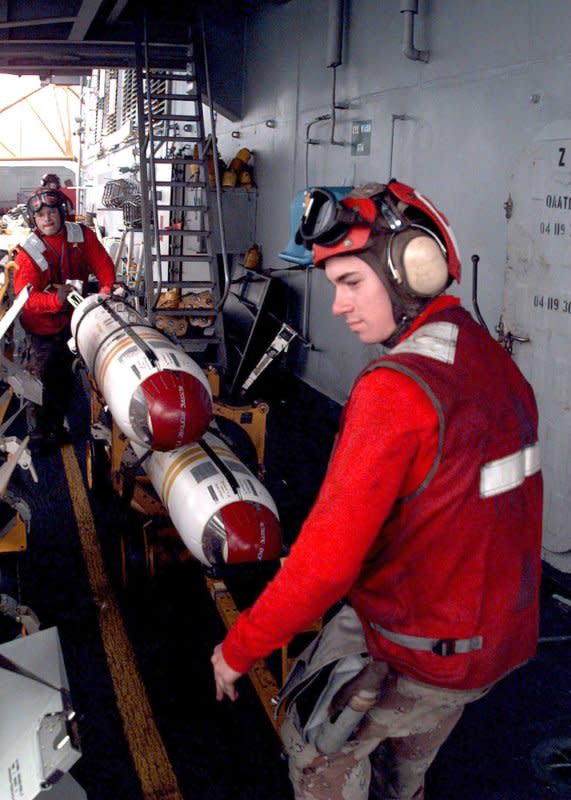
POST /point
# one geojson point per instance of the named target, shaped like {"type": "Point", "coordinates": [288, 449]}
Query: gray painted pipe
{"type": "Point", "coordinates": [335, 33]}
{"type": "Point", "coordinates": [408, 9]}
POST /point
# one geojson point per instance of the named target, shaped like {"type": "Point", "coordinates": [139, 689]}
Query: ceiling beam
{"type": "Point", "coordinates": [118, 8]}
{"type": "Point", "coordinates": [61, 57]}
{"type": "Point", "coordinates": [32, 23]}
{"type": "Point", "coordinates": [83, 20]}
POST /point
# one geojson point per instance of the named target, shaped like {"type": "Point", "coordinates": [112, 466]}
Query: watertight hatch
{"type": "Point", "coordinates": [537, 304]}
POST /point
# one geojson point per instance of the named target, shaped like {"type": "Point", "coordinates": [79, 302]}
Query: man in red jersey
{"type": "Point", "coordinates": [56, 257]}
{"type": "Point", "coordinates": [428, 522]}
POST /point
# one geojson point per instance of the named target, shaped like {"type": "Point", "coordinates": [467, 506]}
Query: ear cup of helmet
{"type": "Point", "coordinates": [417, 260]}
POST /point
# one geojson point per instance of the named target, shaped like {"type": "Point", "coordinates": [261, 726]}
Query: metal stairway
{"type": "Point", "coordinates": [186, 265]}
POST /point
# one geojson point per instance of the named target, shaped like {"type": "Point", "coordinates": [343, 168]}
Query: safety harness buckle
{"type": "Point", "coordinates": [444, 647]}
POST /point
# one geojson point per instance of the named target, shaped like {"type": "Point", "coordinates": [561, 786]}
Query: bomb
{"type": "Point", "coordinates": [222, 512]}
{"type": "Point", "coordinates": [157, 395]}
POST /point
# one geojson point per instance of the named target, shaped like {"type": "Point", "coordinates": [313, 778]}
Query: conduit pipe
{"type": "Point", "coordinates": [335, 33]}
{"type": "Point", "coordinates": [335, 55]}
{"type": "Point", "coordinates": [309, 140]}
{"type": "Point", "coordinates": [409, 8]}
{"type": "Point", "coordinates": [394, 118]}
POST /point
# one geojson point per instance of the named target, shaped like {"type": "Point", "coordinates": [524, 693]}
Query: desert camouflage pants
{"type": "Point", "coordinates": [49, 359]}
{"type": "Point", "coordinates": [389, 755]}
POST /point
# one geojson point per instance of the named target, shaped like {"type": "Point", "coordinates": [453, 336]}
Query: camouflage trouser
{"type": "Point", "coordinates": [391, 751]}
{"type": "Point", "coordinates": [49, 359]}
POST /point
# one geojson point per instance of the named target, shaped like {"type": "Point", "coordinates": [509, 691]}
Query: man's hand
{"type": "Point", "coordinates": [224, 676]}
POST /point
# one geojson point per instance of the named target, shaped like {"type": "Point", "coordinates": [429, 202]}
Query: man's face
{"type": "Point", "coordinates": [48, 220]}
{"type": "Point", "coordinates": [360, 298]}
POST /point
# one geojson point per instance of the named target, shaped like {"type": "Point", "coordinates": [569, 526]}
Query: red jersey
{"type": "Point", "coordinates": [44, 261]}
{"type": "Point", "coordinates": [391, 449]}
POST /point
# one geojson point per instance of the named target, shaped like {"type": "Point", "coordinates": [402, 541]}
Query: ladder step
{"type": "Point", "coordinates": [187, 312]}
{"type": "Point", "coordinates": [197, 162]}
{"type": "Point", "coordinates": [189, 184]}
{"type": "Point", "coordinates": [187, 285]}
{"type": "Point", "coordinates": [174, 138]}
{"type": "Point", "coordinates": [190, 258]}
{"type": "Point", "coordinates": [176, 207]}
{"type": "Point", "coordinates": [173, 75]}
{"type": "Point", "coordinates": [192, 97]}
{"type": "Point", "coordinates": [199, 209]}
{"type": "Point", "coordinates": [164, 232]}
{"type": "Point", "coordinates": [175, 117]}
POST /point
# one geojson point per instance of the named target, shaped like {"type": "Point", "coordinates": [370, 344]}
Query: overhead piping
{"type": "Point", "coordinates": [409, 8]}
{"type": "Point", "coordinates": [335, 55]}
{"type": "Point", "coordinates": [335, 33]}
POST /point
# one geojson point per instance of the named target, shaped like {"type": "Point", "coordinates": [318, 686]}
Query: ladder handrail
{"type": "Point", "coordinates": [151, 146]}
{"type": "Point", "coordinates": [143, 177]}
{"type": "Point", "coordinates": [217, 181]}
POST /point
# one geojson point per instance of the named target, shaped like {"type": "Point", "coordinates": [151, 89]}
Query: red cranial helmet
{"type": "Point", "coordinates": [354, 224]}
{"type": "Point", "coordinates": [51, 181]}
{"type": "Point", "coordinates": [397, 231]}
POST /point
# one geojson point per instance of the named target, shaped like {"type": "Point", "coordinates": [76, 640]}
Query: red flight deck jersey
{"type": "Point", "coordinates": [429, 517]}
{"type": "Point", "coordinates": [73, 253]}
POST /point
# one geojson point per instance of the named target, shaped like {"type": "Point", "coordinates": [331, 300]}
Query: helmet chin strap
{"type": "Point", "coordinates": [400, 329]}
{"type": "Point", "coordinates": [405, 311]}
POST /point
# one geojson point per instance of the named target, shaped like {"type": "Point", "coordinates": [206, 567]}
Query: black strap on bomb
{"type": "Point", "coordinates": [121, 325]}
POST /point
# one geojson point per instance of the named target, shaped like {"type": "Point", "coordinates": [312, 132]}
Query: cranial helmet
{"type": "Point", "coordinates": [52, 198]}
{"type": "Point", "coordinates": [401, 234]}
{"type": "Point", "coordinates": [51, 181]}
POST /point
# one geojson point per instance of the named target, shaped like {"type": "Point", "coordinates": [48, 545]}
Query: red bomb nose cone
{"type": "Point", "coordinates": [253, 532]}
{"type": "Point", "coordinates": [179, 409]}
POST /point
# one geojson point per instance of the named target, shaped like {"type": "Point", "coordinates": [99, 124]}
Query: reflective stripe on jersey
{"type": "Point", "coordinates": [74, 232]}
{"type": "Point", "coordinates": [508, 472]}
{"type": "Point", "coordinates": [440, 647]}
{"type": "Point", "coordinates": [434, 340]}
{"type": "Point", "coordinates": [35, 248]}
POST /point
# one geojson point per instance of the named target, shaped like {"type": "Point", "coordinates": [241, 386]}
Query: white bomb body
{"type": "Point", "coordinates": [222, 512]}
{"type": "Point", "coordinates": [157, 395]}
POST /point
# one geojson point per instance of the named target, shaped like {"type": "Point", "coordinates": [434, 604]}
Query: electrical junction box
{"type": "Point", "coordinates": [361, 137]}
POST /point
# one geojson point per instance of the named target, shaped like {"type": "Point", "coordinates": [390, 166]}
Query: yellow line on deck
{"type": "Point", "coordinates": [147, 749]}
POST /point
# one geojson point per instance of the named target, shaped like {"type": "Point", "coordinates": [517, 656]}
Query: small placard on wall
{"type": "Point", "coordinates": [361, 137]}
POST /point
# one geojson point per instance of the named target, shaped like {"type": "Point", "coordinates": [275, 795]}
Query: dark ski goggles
{"type": "Point", "coordinates": [49, 198]}
{"type": "Point", "coordinates": [326, 220]}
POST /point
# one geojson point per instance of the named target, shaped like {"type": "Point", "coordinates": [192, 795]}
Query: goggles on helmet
{"type": "Point", "coordinates": [335, 227]}
{"type": "Point", "coordinates": [49, 198]}
{"type": "Point", "coordinates": [327, 220]}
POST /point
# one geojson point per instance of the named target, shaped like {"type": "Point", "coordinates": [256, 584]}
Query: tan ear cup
{"type": "Point", "coordinates": [420, 260]}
